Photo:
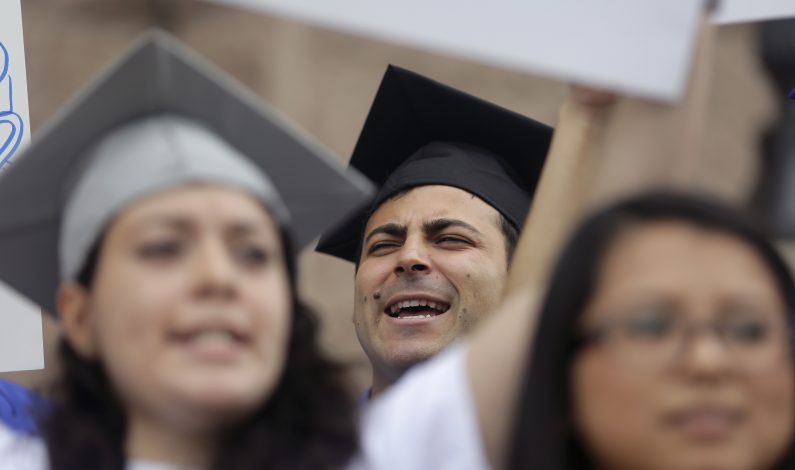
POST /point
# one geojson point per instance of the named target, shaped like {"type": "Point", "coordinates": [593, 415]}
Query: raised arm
{"type": "Point", "coordinates": [601, 150]}
{"type": "Point", "coordinates": [497, 351]}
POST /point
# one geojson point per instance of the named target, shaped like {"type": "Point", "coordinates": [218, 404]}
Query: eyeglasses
{"type": "Point", "coordinates": [655, 336]}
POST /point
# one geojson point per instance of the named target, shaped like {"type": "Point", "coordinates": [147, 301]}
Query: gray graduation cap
{"type": "Point", "coordinates": [159, 117]}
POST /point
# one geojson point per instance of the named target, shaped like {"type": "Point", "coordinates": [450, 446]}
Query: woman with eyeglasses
{"type": "Point", "coordinates": [664, 343]}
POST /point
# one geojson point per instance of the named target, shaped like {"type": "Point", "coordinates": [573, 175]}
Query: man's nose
{"type": "Point", "coordinates": [413, 259]}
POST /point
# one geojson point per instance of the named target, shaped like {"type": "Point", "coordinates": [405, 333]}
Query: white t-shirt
{"type": "Point", "coordinates": [427, 421]}
{"type": "Point", "coordinates": [21, 451]}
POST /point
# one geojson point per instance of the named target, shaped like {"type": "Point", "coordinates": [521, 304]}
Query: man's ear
{"type": "Point", "coordinates": [75, 317]}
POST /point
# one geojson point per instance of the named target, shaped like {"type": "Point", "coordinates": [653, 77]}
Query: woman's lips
{"type": "Point", "coordinates": [705, 423]}
{"type": "Point", "coordinates": [212, 344]}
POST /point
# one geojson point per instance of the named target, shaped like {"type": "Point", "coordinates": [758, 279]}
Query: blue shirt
{"type": "Point", "coordinates": [18, 406]}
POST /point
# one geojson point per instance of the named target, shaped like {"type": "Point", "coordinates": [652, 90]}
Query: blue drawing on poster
{"type": "Point", "coordinates": [11, 124]}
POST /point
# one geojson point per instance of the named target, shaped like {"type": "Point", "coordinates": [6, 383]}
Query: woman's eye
{"type": "Point", "coordinates": [160, 250]}
{"type": "Point", "coordinates": [748, 330]}
{"type": "Point", "coordinates": [253, 255]}
{"type": "Point", "coordinates": [650, 325]}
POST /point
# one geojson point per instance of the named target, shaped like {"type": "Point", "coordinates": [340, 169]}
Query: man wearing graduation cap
{"type": "Point", "coordinates": [456, 177]}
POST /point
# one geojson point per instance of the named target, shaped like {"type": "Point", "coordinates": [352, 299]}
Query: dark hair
{"type": "Point", "coordinates": [544, 437]}
{"type": "Point", "coordinates": [307, 422]}
{"type": "Point", "coordinates": [509, 232]}
{"type": "Point", "coordinates": [511, 235]}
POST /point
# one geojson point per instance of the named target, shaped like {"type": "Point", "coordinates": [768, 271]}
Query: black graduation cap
{"type": "Point", "coordinates": [159, 117]}
{"type": "Point", "coordinates": [421, 132]}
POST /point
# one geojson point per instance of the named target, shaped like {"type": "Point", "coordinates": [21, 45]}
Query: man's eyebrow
{"type": "Point", "coordinates": [435, 226]}
{"type": "Point", "coordinates": [394, 230]}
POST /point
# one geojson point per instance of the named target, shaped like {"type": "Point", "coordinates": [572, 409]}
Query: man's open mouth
{"type": "Point", "coordinates": [416, 308]}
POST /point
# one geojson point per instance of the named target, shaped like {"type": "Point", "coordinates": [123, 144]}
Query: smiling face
{"type": "Point", "coordinates": [722, 399]}
{"type": "Point", "coordinates": [189, 311]}
{"type": "Point", "coordinates": [433, 263]}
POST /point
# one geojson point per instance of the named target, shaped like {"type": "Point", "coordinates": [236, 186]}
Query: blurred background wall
{"type": "Point", "coordinates": [324, 81]}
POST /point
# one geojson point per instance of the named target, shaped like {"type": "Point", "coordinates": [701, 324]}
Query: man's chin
{"type": "Point", "coordinates": [405, 356]}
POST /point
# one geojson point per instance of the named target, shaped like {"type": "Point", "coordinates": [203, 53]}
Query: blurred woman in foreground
{"type": "Point", "coordinates": [149, 218]}
{"type": "Point", "coordinates": [665, 342]}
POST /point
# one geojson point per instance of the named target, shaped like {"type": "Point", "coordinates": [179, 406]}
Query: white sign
{"type": "Point", "coordinates": [641, 47]}
{"type": "Point", "coordinates": [738, 11]}
{"type": "Point", "coordinates": [20, 320]}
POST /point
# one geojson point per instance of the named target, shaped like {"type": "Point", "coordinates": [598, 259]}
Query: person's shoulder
{"type": "Point", "coordinates": [432, 403]}
{"type": "Point", "coordinates": [21, 451]}
{"type": "Point", "coordinates": [425, 384]}
{"type": "Point", "coordinates": [17, 405]}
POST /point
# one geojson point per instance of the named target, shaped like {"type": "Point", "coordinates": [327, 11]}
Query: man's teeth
{"type": "Point", "coordinates": [397, 307]}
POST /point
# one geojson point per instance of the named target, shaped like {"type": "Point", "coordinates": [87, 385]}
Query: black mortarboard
{"type": "Point", "coordinates": [421, 132]}
{"type": "Point", "coordinates": [158, 118]}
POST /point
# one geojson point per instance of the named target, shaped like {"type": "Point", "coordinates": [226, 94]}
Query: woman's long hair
{"type": "Point", "coordinates": [544, 438]}
{"type": "Point", "coordinates": [306, 423]}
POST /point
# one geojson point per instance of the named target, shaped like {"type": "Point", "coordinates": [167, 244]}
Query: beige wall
{"type": "Point", "coordinates": [325, 80]}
